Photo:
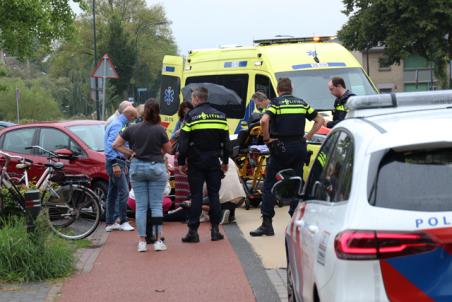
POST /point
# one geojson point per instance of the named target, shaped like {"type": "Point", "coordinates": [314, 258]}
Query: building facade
{"type": "Point", "coordinates": [414, 73]}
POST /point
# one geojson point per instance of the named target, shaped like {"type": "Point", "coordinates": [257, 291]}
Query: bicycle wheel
{"type": "Point", "coordinates": [73, 211]}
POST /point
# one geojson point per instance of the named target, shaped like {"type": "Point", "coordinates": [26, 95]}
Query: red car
{"type": "Point", "coordinates": [84, 138]}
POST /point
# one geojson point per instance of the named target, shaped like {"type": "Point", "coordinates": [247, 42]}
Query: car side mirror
{"type": "Point", "coordinates": [288, 189]}
{"type": "Point", "coordinates": [65, 154]}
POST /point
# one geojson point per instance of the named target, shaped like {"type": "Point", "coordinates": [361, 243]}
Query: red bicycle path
{"type": "Point", "coordinates": [205, 271]}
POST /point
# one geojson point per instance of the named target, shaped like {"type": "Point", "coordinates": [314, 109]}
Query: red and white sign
{"type": "Point", "coordinates": [105, 69]}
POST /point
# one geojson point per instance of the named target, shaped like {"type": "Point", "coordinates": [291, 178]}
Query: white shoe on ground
{"type": "Point", "coordinates": [112, 227]}
{"type": "Point", "coordinates": [159, 245]}
{"type": "Point", "coordinates": [126, 227]}
{"type": "Point", "coordinates": [142, 247]}
{"type": "Point", "coordinates": [225, 218]}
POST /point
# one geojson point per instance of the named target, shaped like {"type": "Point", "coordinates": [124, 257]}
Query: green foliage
{"type": "Point", "coordinates": [34, 256]}
{"type": "Point", "coordinates": [135, 36]}
{"type": "Point", "coordinates": [25, 25]}
{"type": "Point", "coordinates": [122, 53]}
{"type": "Point", "coordinates": [404, 27]}
{"type": "Point", "coordinates": [36, 102]}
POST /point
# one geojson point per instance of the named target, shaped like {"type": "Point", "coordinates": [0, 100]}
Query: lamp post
{"type": "Point", "coordinates": [95, 60]}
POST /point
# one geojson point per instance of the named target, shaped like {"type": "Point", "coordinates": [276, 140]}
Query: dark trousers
{"type": "Point", "coordinates": [210, 173]}
{"type": "Point", "coordinates": [291, 155]}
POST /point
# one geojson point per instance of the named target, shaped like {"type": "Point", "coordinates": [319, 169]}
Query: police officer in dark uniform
{"type": "Point", "coordinates": [338, 89]}
{"type": "Point", "coordinates": [283, 131]}
{"type": "Point", "coordinates": [204, 139]}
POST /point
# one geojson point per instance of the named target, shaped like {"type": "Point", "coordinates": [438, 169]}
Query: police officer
{"type": "Point", "coordinates": [338, 89]}
{"type": "Point", "coordinates": [283, 131]}
{"type": "Point", "coordinates": [204, 139]}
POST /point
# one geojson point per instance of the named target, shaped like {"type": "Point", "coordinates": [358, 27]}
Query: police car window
{"type": "Point", "coordinates": [235, 82]}
{"type": "Point", "coordinates": [342, 163]}
{"type": "Point", "coordinates": [418, 180]}
{"type": "Point", "coordinates": [314, 187]}
{"type": "Point", "coordinates": [264, 84]}
{"type": "Point", "coordinates": [312, 84]}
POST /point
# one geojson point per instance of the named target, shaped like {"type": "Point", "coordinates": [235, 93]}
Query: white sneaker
{"type": "Point", "coordinates": [159, 245]}
{"type": "Point", "coordinates": [142, 247]}
{"type": "Point", "coordinates": [225, 218]}
{"type": "Point", "coordinates": [112, 227]}
{"type": "Point", "coordinates": [126, 227]}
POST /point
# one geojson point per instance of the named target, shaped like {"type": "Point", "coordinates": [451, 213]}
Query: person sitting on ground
{"type": "Point", "coordinates": [231, 193]}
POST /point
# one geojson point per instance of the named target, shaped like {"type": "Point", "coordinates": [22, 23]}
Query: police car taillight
{"type": "Point", "coordinates": [373, 245]}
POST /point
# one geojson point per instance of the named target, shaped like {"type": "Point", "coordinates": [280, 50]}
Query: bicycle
{"type": "Point", "coordinates": [30, 201]}
{"type": "Point", "coordinates": [72, 208]}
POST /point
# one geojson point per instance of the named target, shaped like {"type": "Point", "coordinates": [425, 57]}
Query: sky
{"type": "Point", "coordinates": [210, 23]}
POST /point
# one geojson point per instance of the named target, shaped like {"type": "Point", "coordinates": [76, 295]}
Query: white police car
{"type": "Point", "coordinates": [375, 220]}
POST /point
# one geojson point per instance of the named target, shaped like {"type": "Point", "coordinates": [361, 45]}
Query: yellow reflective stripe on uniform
{"type": "Point", "coordinates": [340, 108]}
{"type": "Point", "coordinates": [310, 110]}
{"type": "Point", "coordinates": [208, 121]}
{"type": "Point", "coordinates": [206, 126]}
{"type": "Point", "coordinates": [272, 109]}
{"type": "Point", "coordinates": [284, 110]}
{"type": "Point", "coordinates": [185, 128]}
{"type": "Point", "coordinates": [322, 159]}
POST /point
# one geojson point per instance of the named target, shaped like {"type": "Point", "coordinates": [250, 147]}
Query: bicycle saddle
{"type": "Point", "coordinates": [24, 165]}
{"type": "Point", "coordinates": [56, 166]}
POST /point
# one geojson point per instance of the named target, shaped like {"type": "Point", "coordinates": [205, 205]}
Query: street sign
{"type": "Point", "coordinates": [105, 69]}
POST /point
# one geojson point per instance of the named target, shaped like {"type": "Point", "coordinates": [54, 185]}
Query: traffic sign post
{"type": "Point", "coordinates": [105, 70]}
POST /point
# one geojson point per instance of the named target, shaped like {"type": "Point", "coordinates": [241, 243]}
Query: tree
{"type": "Point", "coordinates": [403, 27]}
{"type": "Point", "coordinates": [26, 25]}
{"type": "Point", "coordinates": [122, 53]}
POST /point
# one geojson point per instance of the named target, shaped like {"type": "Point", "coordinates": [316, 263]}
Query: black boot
{"type": "Point", "coordinates": [215, 234]}
{"type": "Point", "coordinates": [265, 229]}
{"type": "Point", "coordinates": [192, 236]}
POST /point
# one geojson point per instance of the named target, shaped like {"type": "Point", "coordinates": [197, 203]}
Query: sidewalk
{"type": "Point", "coordinates": [207, 271]}
{"type": "Point", "coordinates": [238, 269]}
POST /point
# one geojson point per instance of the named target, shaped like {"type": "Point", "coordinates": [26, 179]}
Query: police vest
{"type": "Point", "coordinates": [287, 116]}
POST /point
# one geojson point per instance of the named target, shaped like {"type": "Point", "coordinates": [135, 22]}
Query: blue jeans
{"type": "Point", "coordinates": [148, 183]}
{"type": "Point", "coordinates": [118, 193]}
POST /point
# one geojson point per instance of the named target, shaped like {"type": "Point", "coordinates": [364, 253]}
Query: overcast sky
{"type": "Point", "coordinates": [211, 23]}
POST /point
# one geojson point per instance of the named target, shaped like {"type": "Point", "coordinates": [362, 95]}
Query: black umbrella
{"type": "Point", "coordinates": [220, 97]}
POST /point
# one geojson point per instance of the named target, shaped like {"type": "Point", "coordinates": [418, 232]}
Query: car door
{"type": "Point", "coordinates": [327, 192]}
{"type": "Point", "coordinates": [15, 142]}
{"type": "Point", "coordinates": [53, 139]}
{"type": "Point", "coordinates": [301, 240]}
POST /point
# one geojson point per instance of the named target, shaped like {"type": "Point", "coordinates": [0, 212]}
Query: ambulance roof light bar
{"type": "Point", "coordinates": [285, 40]}
{"type": "Point", "coordinates": [439, 98]}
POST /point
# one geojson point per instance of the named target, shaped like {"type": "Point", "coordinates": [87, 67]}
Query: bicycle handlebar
{"type": "Point", "coordinates": [9, 156]}
{"type": "Point", "coordinates": [52, 154]}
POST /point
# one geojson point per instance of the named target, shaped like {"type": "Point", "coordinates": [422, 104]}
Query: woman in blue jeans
{"type": "Point", "coordinates": [148, 174]}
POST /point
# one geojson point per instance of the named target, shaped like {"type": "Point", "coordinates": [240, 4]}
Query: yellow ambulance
{"type": "Point", "coordinates": [308, 62]}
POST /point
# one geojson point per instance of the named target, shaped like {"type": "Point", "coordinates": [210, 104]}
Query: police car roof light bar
{"type": "Point", "coordinates": [439, 98]}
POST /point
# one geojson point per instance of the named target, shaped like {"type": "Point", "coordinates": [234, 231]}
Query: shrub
{"type": "Point", "coordinates": [33, 256]}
